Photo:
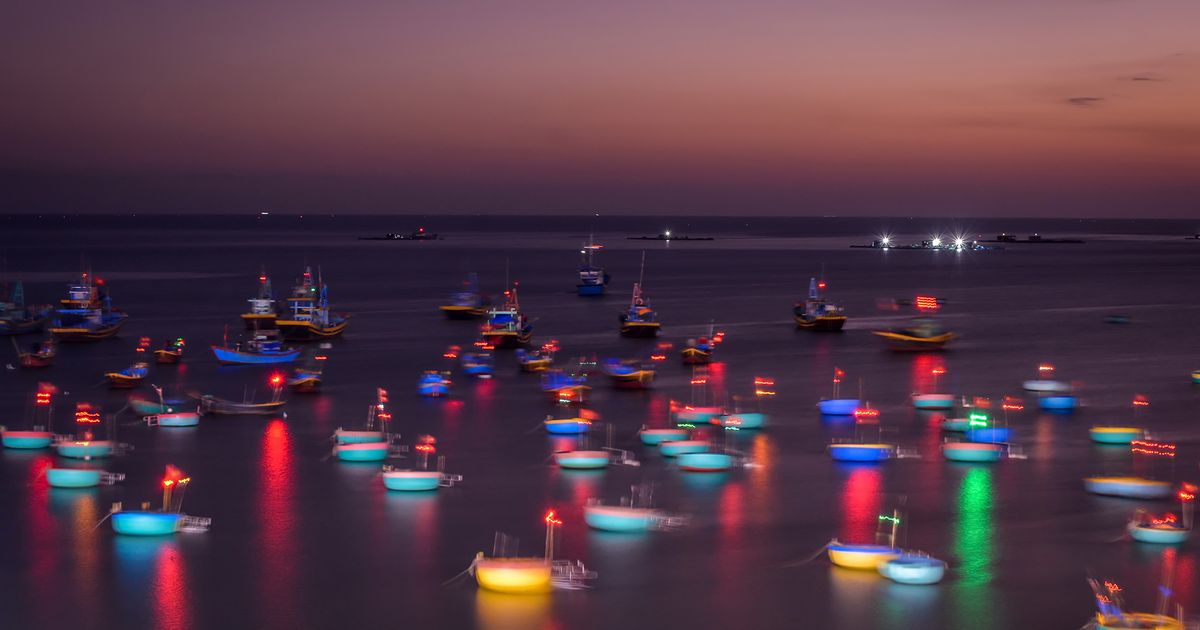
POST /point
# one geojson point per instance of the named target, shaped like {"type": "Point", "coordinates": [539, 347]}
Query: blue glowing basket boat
{"type": "Point", "coordinates": [73, 477]}
{"type": "Point", "coordinates": [1128, 487]}
{"type": "Point", "coordinates": [26, 439]}
{"type": "Point", "coordinates": [705, 462]}
{"type": "Point", "coordinates": [477, 365]}
{"type": "Point", "coordinates": [1165, 535]}
{"type": "Point", "coordinates": [145, 523]}
{"type": "Point", "coordinates": [972, 452]}
{"type": "Point", "coordinates": [433, 385]}
{"type": "Point", "coordinates": [81, 450]}
{"type": "Point", "coordinates": [1114, 435]}
{"type": "Point", "coordinates": [861, 452]}
{"type": "Point", "coordinates": [412, 480]}
{"type": "Point", "coordinates": [859, 556]}
{"type": "Point", "coordinates": [567, 426]}
{"type": "Point", "coordinates": [838, 406]}
{"type": "Point", "coordinates": [989, 434]}
{"type": "Point", "coordinates": [956, 425]}
{"type": "Point", "coordinates": [582, 460]}
{"type": "Point", "coordinates": [654, 437]}
{"type": "Point", "coordinates": [362, 452]}
{"type": "Point", "coordinates": [179, 419]}
{"type": "Point", "coordinates": [911, 568]}
{"type": "Point", "coordinates": [741, 420]}
{"type": "Point", "coordinates": [1061, 404]}
{"type": "Point", "coordinates": [681, 447]}
{"type": "Point", "coordinates": [612, 518]}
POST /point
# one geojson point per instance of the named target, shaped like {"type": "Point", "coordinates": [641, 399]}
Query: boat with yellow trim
{"type": "Point", "coordinates": [816, 313]}
{"type": "Point", "coordinates": [310, 318]}
{"type": "Point", "coordinates": [513, 575]}
{"type": "Point", "coordinates": [1115, 435]}
{"type": "Point", "coordinates": [17, 318]}
{"type": "Point", "coordinates": [535, 361]}
{"type": "Point", "coordinates": [263, 308]}
{"type": "Point", "coordinates": [1110, 613]}
{"type": "Point", "coordinates": [507, 326]}
{"type": "Point", "coordinates": [1128, 487]}
{"type": "Point", "coordinates": [865, 557]}
{"type": "Point", "coordinates": [86, 314]}
{"type": "Point", "coordinates": [1196, 377]}
{"type": "Point", "coordinates": [629, 374]}
{"type": "Point", "coordinates": [129, 377]}
{"type": "Point", "coordinates": [467, 303]}
{"type": "Point", "coordinates": [924, 334]}
{"type": "Point", "coordinates": [640, 320]}
{"type": "Point", "coordinates": [171, 352]}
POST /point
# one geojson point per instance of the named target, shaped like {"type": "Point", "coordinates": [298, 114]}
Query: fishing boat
{"type": "Point", "coordinates": [477, 364]}
{"type": "Point", "coordinates": [562, 387]}
{"type": "Point", "coordinates": [867, 557]}
{"type": "Point", "coordinates": [17, 318]}
{"type": "Point", "coordinates": [640, 320]}
{"type": "Point", "coordinates": [467, 303]}
{"type": "Point", "coordinates": [629, 374]}
{"type": "Point", "coordinates": [816, 313]}
{"type": "Point", "coordinates": [535, 361]}
{"type": "Point", "coordinates": [933, 401]}
{"type": "Point", "coordinates": [306, 378]}
{"type": "Point", "coordinates": [129, 377]}
{"type": "Point", "coordinates": [39, 355]}
{"type": "Point", "coordinates": [377, 415]}
{"type": "Point", "coordinates": [507, 326]}
{"type": "Point", "coordinates": [1110, 614]}
{"type": "Point", "coordinates": [1115, 435]}
{"type": "Point", "coordinates": [592, 278]}
{"type": "Point", "coordinates": [655, 437]}
{"type": "Point", "coordinates": [1167, 529]}
{"type": "Point", "coordinates": [741, 420]}
{"type": "Point", "coordinates": [1128, 487]}
{"type": "Point", "coordinates": [25, 439]}
{"type": "Point", "coordinates": [526, 575]}
{"type": "Point", "coordinates": [675, 448]}
{"type": "Point", "coordinates": [264, 347]}
{"type": "Point", "coordinates": [171, 352]}
{"type": "Point", "coordinates": [263, 309]}
{"type": "Point", "coordinates": [923, 334]}
{"type": "Point", "coordinates": [85, 446]}
{"type": "Point", "coordinates": [433, 384]}
{"type": "Point", "coordinates": [162, 522]}
{"type": "Point", "coordinates": [697, 351]}
{"type": "Point", "coordinates": [861, 451]}
{"type": "Point", "coordinates": [166, 413]}
{"type": "Point", "coordinates": [86, 314]}
{"type": "Point", "coordinates": [309, 317]}
{"type": "Point", "coordinates": [75, 478]}
{"type": "Point", "coordinates": [213, 405]}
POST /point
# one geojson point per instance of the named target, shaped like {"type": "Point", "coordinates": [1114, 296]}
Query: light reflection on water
{"type": "Point", "coordinates": [276, 526]}
{"type": "Point", "coordinates": [974, 539]}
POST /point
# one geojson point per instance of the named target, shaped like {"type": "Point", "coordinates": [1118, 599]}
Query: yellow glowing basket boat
{"type": "Point", "coordinates": [1137, 621]}
{"type": "Point", "coordinates": [513, 575]}
{"type": "Point", "coordinates": [867, 557]}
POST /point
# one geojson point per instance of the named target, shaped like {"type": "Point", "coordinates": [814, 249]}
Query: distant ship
{"type": "Point", "coordinates": [419, 235]}
{"type": "Point", "coordinates": [818, 314]}
{"type": "Point", "coordinates": [592, 279]}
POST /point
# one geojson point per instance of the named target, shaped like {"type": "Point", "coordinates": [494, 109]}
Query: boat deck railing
{"type": "Point", "coordinates": [570, 575]}
{"type": "Point", "coordinates": [109, 478]}
{"type": "Point", "coordinates": [448, 481]}
{"type": "Point", "coordinates": [625, 458]}
{"type": "Point", "coordinates": [194, 524]}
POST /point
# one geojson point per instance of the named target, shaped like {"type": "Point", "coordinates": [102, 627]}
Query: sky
{"type": "Point", "coordinates": [755, 107]}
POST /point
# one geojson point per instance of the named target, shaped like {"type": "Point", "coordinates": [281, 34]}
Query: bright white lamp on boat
{"type": "Point", "coordinates": [886, 241]}
{"type": "Point", "coordinates": [937, 241]}
{"type": "Point", "coordinates": [958, 242]}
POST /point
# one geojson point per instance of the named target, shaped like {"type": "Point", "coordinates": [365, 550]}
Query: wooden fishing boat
{"type": "Point", "coordinates": [263, 309]}
{"type": "Point", "coordinates": [700, 351]}
{"type": "Point", "coordinates": [86, 314]}
{"type": "Point", "coordinates": [923, 335]}
{"type": "Point", "coordinates": [264, 348]}
{"type": "Point", "coordinates": [467, 303]}
{"type": "Point", "coordinates": [171, 352]}
{"type": "Point", "coordinates": [639, 320]}
{"type": "Point", "coordinates": [310, 318]}
{"type": "Point", "coordinates": [1110, 614]}
{"type": "Point", "coordinates": [477, 364]}
{"type": "Point", "coordinates": [816, 313]}
{"type": "Point", "coordinates": [592, 278]}
{"type": "Point", "coordinates": [17, 318]}
{"type": "Point", "coordinates": [306, 379]}
{"type": "Point", "coordinates": [507, 326]}
{"type": "Point", "coordinates": [39, 355]}
{"type": "Point", "coordinates": [214, 405]}
{"type": "Point", "coordinates": [129, 377]}
{"type": "Point", "coordinates": [535, 361]}
{"type": "Point", "coordinates": [629, 374]}
{"type": "Point", "coordinates": [433, 384]}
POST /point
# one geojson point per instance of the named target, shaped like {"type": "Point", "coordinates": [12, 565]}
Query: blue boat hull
{"type": "Point", "coordinates": [423, 482]}
{"type": "Point", "coordinates": [145, 523]}
{"type": "Point", "coordinates": [590, 290]}
{"type": "Point", "coordinates": [1057, 403]}
{"type": "Point", "coordinates": [990, 434]}
{"type": "Point", "coordinates": [566, 428]}
{"type": "Point", "coordinates": [838, 406]}
{"type": "Point", "coordinates": [144, 407]}
{"type": "Point", "coordinates": [233, 357]}
{"type": "Point", "coordinates": [860, 452]}
{"type": "Point", "coordinates": [73, 477]}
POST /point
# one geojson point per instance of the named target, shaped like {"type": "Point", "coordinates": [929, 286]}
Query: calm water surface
{"type": "Point", "coordinates": [302, 541]}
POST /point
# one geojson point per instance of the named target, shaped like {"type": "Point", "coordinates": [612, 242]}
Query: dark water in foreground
{"type": "Point", "coordinates": [302, 541]}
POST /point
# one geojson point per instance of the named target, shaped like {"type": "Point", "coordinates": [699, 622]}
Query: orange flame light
{"type": "Point", "coordinates": [276, 379]}
{"type": "Point", "coordinates": [1046, 368]}
{"type": "Point", "coordinates": [1140, 401]}
{"type": "Point", "coordinates": [927, 303]}
{"type": "Point", "coordinates": [552, 518]}
{"type": "Point", "coordinates": [86, 414]}
{"type": "Point", "coordinates": [1149, 447]}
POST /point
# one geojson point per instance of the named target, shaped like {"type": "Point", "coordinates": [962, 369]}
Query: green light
{"type": "Point", "coordinates": [893, 519]}
{"type": "Point", "coordinates": [978, 419]}
{"type": "Point", "coordinates": [686, 425]}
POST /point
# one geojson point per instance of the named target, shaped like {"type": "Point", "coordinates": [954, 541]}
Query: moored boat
{"type": "Point", "coordinates": [535, 361]}
{"type": "Point", "coordinates": [210, 404]}
{"type": "Point", "coordinates": [639, 320]}
{"type": "Point", "coordinates": [933, 401]}
{"type": "Point", "coordinates": [264, 347]}
{"type": "Point", "coordinates": [975, 452]}
{"type": "Point", "coordinates": [1128, 487]}
{"type": "Point", "coordinates": [705, 462]}
{"type": "Point", "coordinates": [913, 568]}
{"type": "Point", "coordinates": [74, 477]}
{"type": "Point", "coordinates": [25, 439]}
{"type": "Point", "coordinates": [507, 326]}
{"type": "Point", "coordinates": [922, 335]}
{"type": "Point", "coordinates": [433, 384]}
{"type": "Point", "coordinates": [263, 309]}
{"type": "Point", "coordinates": [816, 313]}
{"type": "Point", "coordinates": [675, 448]}
{"type": "Point", "coordinates": [697, 351]}
{"type": "Point", "coordinates": [582, 460]}
{"type": "Point", "coordinates": [619, 518]}
{"type": "Point", "coordinates": [86, 314]}
{"type": "Point", "coordinates": [39, 434]}
{"type": "Point", "coordinates": [308, 316]}
{"type": "Point", "coordinates": [18, 318]}
{"type": "Point", "coordinates": [171, 352]}
{"type": "Point", "coordinates": [129, 377]}
{"type": "Point", "coordinates": [696, 415]}
{"type": "Point", "coordinates": [163, 522]}
{"type": "Point", "coordinates": [1115, 435]}
{"type": "Point", "coordinates": [566, 426]}
{"type": "Point", "coordinates": [860, 556]}
{"type": "Point", "coordinates": [467, 303]}
{"type": "Point", "coordinates": [477, 364]}
{"type": "Point", "coordinates": [629, 374]}
{"type": "Point", "coordinates": [592, 278]}
{"type": "Point", "coordinates": [411, 480]}
{"type": "Point", "coordinates": [1058, 404]}
{"type": "Point", "coordinates": [562, 387]}
{"type": "Point", "coordinates": [654, 437]}
{"type": "Point", "coordinates": [39, 355]}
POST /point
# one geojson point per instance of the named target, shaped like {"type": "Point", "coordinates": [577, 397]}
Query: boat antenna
{"type": "Point", "coordinates": [642, 272]}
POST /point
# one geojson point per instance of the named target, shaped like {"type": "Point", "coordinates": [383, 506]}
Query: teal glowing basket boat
{"type": "Point", "coordinates": [838, 406]}
{"type": "Point", "coordinates": [412, 480]}
{"type": "Point", "coordinates": [1058, 404]}
{"type": "Point", "coordinates": [145, 523]}
{"type": "Point", "coordinates": [956, 425]}
{"type": "Point", "coordinates": [1115, 435]}
{"type": "Point", "coordinates": [972, 452]}
{"type": "Point", "coordinates": [989, 434]}
{"type": "Point", "coordinates": [147, 407]}
{"type": "Point", "coordinates": [911, 568]}
{"type": "Point", "coordinates": [861, 452]}
{"type": "Point", "coordinates": [697, 415]}
{"type": "Point", "coordinates": [1163, 535]}
{"type": "Point", "coordinates": [343, 436]}
{"type": "Point", "coordinates": [26, 439]}
{"type": "Point", "coordinates": [705, 462]}
{"type": "Point", "coordinates": [73, 477]}
{"type": "Point", "coordinates": [933, 401]}
{"type": "Point", "coordinates": [1128, 487]}
{"type": "Point", "coordinates": [682, 447]}
{"type": "Point", "coordinates": [654, 437]}
{"type": "Point", "coordinates": [582, 460]}
{"type": "Point", "coordinates": [362, 452]}
{"type": "Point", "coordinates": [179, 419]}
{"type": "Point", "coordinates": [85, 449]}
{"type": "Point", "coordinates": [612, 518]}
{"type": "Point", "coordinates": [741, 420]}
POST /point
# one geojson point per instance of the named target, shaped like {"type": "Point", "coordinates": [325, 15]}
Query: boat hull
{"type": "Point", "coordinates": [696, 356]}
{"type": "Point", "coordinates": [210, 405]}
{"type": "Point", "coordinates": [1128, 487]}
{"type": "Point", "coordinates": [654, 437]}
{"type": "Point", "coordinates": [508, 339]}
{"type": "Point", "coordinates": [180, 419]}
{"type": "Point", "coordinates": [513, 575]}
{"type": "Point", "coordinates": [618, 518]}
{"type": "Point", "coordinates": [913, 569]}
{"type": "Point", "coordinates": [1137, 621]}
{"type": "Point", "coordinates": [123, 381]}
{"type": "Point", "coordinates": [412, 480]}
{"type": "Point", "coordinates": [26, 439]}
{"type": "Point", "coordinates": [861, 452]}
{"type": "Point", "coordinates": [569, 426]}
{"type": "Point", "coordinates": [1059, 404]}
{"type": "Point", "coordinates": [258, 321]}
{"type": "Point", "coordinates": [452, 311]}
{"type": "Point", "coordinates": [705, 462]}
{"type": "Point", "coordinates": [828, 323]}
{"type": "Point", "coordinates": [989, 434]}
{"type": "Point", "coordinates": [145, 523]}
{"type": "Point", "coordinates": [933, 401]}
{"type": "Point", "coordinates": [1042, 386]}
{"type": "Point", "coordinates": [682, 447]}
{"type": "Point", "coordinates": [145, 407]}
{"type": "Point", "coordinates": [362, 452]}
{"type": "Point", "coordinates": [838, 406]}
{"type": "Point", "coordinates": [293, 330]}
{"type": "Point", "coordinates": [74, 334]}
{"type": "Point", "coordinates": [700, 415]}
{"type": "Point", "coordinates": [82, 450]}
{"type": "Point", "coordinates": [1159, 535]}
{"type": "Point", "coordinates": [167, 357]}
{"type": "Point", "coordinates": [640, 379]}
{"type": "Point", "coordinates": [590, 290]}
{"type": "Point", "coordinates": [1114, 435]}
{"type": "Point", "coordinates": [582, 460]}
{"type": "Point", "coordinates": [73, 477]}
{"type": "Point", "coordinates": [753, 420]}
{"type": "Point", "coordinates": [640, 330]}
{"type": "Point", "coordinates": [972, 452]}
{"type": "Point", "coordinates": [306, 385]}
{"type": "Point", "coordinates": [342, 436]}
{"type": "Point", "coordinates": [907, 343]}
{"type": "Point", "coordinates": [12, 327]}
{"type": "Point", "coordinates": [29, 360]}
{"type": "Point", "coordinates": [228, 356]}
{"type": "Point", "coordinates": [864, 557]}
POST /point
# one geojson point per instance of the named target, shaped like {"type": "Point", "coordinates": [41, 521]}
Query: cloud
{"type": "Point", "coordinates": [1144, 76]}
{"type": "Point", "coordinates": [1085, 101]}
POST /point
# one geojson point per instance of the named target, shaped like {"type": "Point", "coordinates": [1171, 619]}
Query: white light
{"type": "Point", "coordinates": [937, 242]}
{"type": "Point", "coordinates": [668, 233]}
{"type": "Point", "coordinates": [958, 242]}
{"type": "Point", "coordinates": [886, 240]}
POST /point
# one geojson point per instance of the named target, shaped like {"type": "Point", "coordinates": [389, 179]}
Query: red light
{"type": "Point", "coordinates": [552, 518]}
{"type": "Point", "coordinates": [938, 371]}
{"type": "Point", "coordinates": [699, 381]}
{"type": "Point", "coordinates": [42, 398]}
{"type": "Point", "coordinates": [927, 303]}
{"type": "Point", "coordinates": [262, 278]}
{"type": "Point", "coordinates": [276, 379]}
{"type": "Point", "coordinates": [760, 380]}
{"type": "Point", "coordinates": [821, 284]}
{"type": "Point", "coordinates": [1112, 586]}
{"type": "Point", "coordinates": [1148, 447]}
{"type": "Point", "coordinates": [86, 414]}
{"type": "Point", "coordinates": [1140, 401]}
{"type": "Point", "coordinates": [1046, 367]}
{"type": "Point", "coordinates": [982, 402]}
{"type": "Point", "coordinates": [658, 357]}
{"type": "Point", "coordinates": [425, 448]}
{"type": "Point", "coordinates": [866, 413]}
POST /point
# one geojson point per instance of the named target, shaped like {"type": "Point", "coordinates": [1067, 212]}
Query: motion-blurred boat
{"type": "Point", "coordinates": [466, 303]}
{"type": "Point", "coordinates": [17, 318]}
{"type": "Point", "coordinates": [629, 374]}
{"type": "Point", "coordinates": [1128, 487]}
{"type": "Point", "coordinates": [816, 313]}
{"type": "Point", "coordinates": [264, 348]}
{"type": "Point", "coordinates": [433, 384]}
{"type": "Point", "coordinates": [592, 279]}
{"type": "Point", "coordinates": [478, 364]}
{"type": "Point", "coordinates": [39, 355]}
{"type": "Point", "coordinates": [129, 377]}
{"type": "Point", "coordinates": [923, 334]}
{"type": "Point", "coordinates": [640, 320]}
{"type": "Point", "coordinates": [171, 352]}
{"type": "Point", "coordinates": [310, 318]}
{"type": "Point", "coordinates": [535, 361]}
{"type": "Point", "coordinates": [507, 326]}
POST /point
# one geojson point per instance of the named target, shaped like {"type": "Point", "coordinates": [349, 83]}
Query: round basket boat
{"type": "Point", "coordinates": [412, 480]}
{"type": "Point", "coordinates": [614, 518]}
{"type": "Point", "coordinates": [911, 568]}
{"type": "Point", "coordinates": [989, 434]}
{"type": "Point", "coordinates": [362, 452]}
{"type": "Point", "coordinates": [1137, 621]}
{"type": "Point", "coordinates": [145, 523]}
{"type": "Point", "coordinates": [681, 447]}
{"type": "Point", "coordinates": [1128, 487]}
{"type": "Point", "coordinates": [73, 477]}
{"type": "Point", "coordinates": [838, 406]}
{"type": "Point", "coordinates": [654, 437]}
{"type": "Point", "coordinates": [342, 436]}
{"type": "Point", "coordinates": [705, 462]}
{"type": "Point", "coordinates": [1046, 386]}
{"type": "Point", "coordinates": [697, 415]}
{"type": "Point", "coordinates": [1061, 404]}
{"type": "Point", "coordinates": [1114, 435]}
{"type": "Point", "coordinates": [1196, 377]}
{"type": "Point", "coordinates": [26, 439]}
{"type": "Point", "coordinates": [1159, 535]}
{"type": "Point", "coordinates": [861, 452]}
{"type": "Point", "coordinates": [179, 419]}
{"type": "Point", "coordinates": [513, 575]}
{"type": "Point", "coordinates": [582, 460]}
{"type": "Point", "coordinates": [81, 450]}
{"type": "Point", "coordinates": [741, 420]}
{"type": "Point", "coordinates": [933, 401]}
{"type": "Point", "coordinates": [972, 452]}
{"type": "Point", "coordinates": [860, 556]}
{"type": "Point", "coordinates": [568, 426]}
{"type": "Point", "coordinates": [956, 425]}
